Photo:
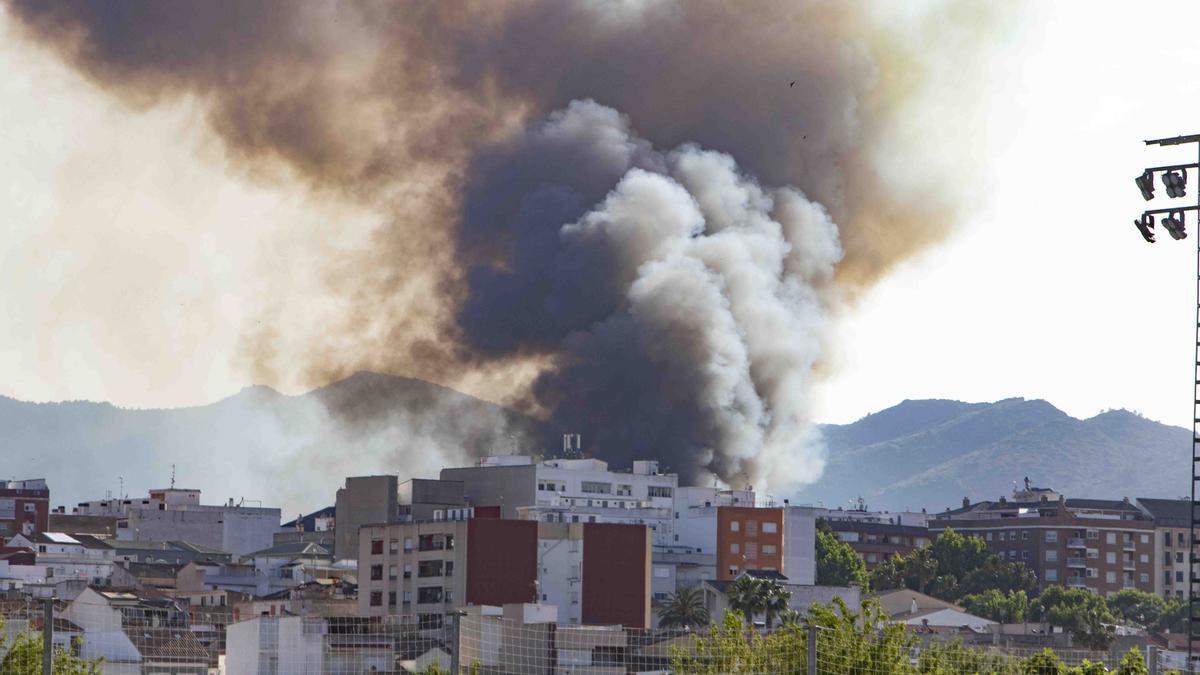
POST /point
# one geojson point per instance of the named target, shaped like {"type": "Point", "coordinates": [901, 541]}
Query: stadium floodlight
{"type": "Point", "coordinates": [1175, 183]}
{"type": "Point", "coordinates": [1145, 183]}
{"type": "Point", "coordinates": [1174, 225]}
{"type": "Point", "coordinates": [1146, 227]}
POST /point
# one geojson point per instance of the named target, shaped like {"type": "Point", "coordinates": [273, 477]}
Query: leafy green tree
{"type": "Point", "coordinates": [952, 567]}
{"type": "Point", "coordinates": [23, 656]}
{"type": "Point", "coordinates": [684, 609]}
{"type": "Point", "coordinates": [837, 563]}
{"type": "Point", "coordinates": [1132, 663]}
{"type": "Point", "coordinates": [1045, 662]}
{"type": "Point", "coordinates": [1082, 613]}
{"type": "Point", "coordinates": [1010, 607]}
{"type": "Point", "coordinates": [1149, 610]}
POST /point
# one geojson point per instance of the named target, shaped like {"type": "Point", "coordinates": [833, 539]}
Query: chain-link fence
{"type": "Point", "coordinates": [136, 634]}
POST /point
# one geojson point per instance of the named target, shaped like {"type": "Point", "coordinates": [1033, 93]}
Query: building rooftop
{"type": "Point", "coordinates": [291, 549]}
{"type": "Point", "coordinates": [309, 521]}
{"type": "Point", "coordinates": [85, 540]}
{"type": "Point", "coordinates": [869, 527]}
{"type": "Point", "coordinates": [1168, 512]}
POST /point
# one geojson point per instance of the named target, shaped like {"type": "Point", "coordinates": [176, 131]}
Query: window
{"type": "Point", "coordinates": [1180, 538]}
{"type": "Point", "coordinates": [1145, 538]}
{"type": "Point", "coordinates": [376, 572]}
{"type": "Point", "coordinates": [1001, 535]}
{"type": "Point", "coordinates": [1051, 536]}
{"type": "Point", "coordinates": [1167, 578]}
{"type": "Point", "coordinates": [30, 508]}
{"type": "Point", "coordinates": [988, 536]}
{"type": "Point", "coordinates": [662, 572]}
{"type": "Point", "coordinates": [1144, 577]}
{"type": "Point", "coordinates": [751, 528]}
{"type": "Point", "coordinates": [1144, 558]}
{"type": "Point", "coordinates": [393, 546]}
{"type": "Point", "coordinates": [391, 598]}
{"type": "Point", "coordinates": [1110, 577]}
{"type": "Point", "coordinates": [1110, 558]}
{"type": "Point", "coordinates": [659, 491]}
{"type": "Point", "coordinates": [574, 597]}
{"type": "Point", "coordinates": [1179, 576]}
{"type": "Point", "coordinates": [1051, 575]}
{"type": "Point", "coordinates": [1167, 539]}
{"type": "Point", "coordinates": [871, 558]}
{"type": "Point", "coordinates": [429, 621]}
{"type": "Point", "coordinates": [449, 595]}
{"type": "Point", "coordinates": [734, 526]}
{"type": "Point", "coordinates": [1024, 534]}
{"type": "Point", "coordinates": [734, 548]}
{"type": "Point", "coordinates": [627, 491]}
{"type": "Point", "coordinates": [770, 528]}
{"type": "Point", "coordinates": [407, 570]}
{"type": "Point", "coordinates": [1179, 556]}
{"type": "Point", "coordinates": [430, 542]}
{"type": "Point", "coordinates": [376, 547]}
{"type": "Point", "coordinates": [392, 572]}
{"type": "Point", "coordinates": [429, 568]}
{"type": "Point", "coordinates": [376, 598]}
{"type": "Point", "coordinates": [751, 550]}
{"type": "Point", "coordinates": [1093, 534]}
{"type": "Point", "coordinates": [449, 539]}
{"type": "Point", "coordinates": [1024, 555]}
{"type": "Point", "coordinates": [1093, 553]}
{"type": "Point", "coordinates": [408, 544]}
{"type": "Point", "coordinates": [769, 549]}
{"type": "Point", "coordinates": [1110, 537]}
{"type": "Point", "coordinates": [427, 595]}
{"type": "Point", "coordinates": [595, 488]}
{"type": "Point", "coordinates": [407, 597]}
{"type": "Point", "coordinates": [449, 568]}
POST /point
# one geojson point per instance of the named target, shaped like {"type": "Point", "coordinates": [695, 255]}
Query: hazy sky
{"type": "Point", "coordinates": [128, 246]}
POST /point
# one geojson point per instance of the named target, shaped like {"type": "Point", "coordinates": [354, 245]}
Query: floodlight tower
{"type": "Point", "coordinates": [1174, 181]}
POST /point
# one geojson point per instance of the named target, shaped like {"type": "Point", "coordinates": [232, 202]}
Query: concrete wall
{"type": "Point", "coordinates": [501, 561]}
{"type": "Point", "coordinates": [616, 574]}
{"type": "Point", "coordinates": [560, 572]}
{"type": "Point", "coordinates": [800, 545]}
{"type": "Point", "coordinates": [508, 487]}
{"type": "Point", "coordinates": [364, 500]}
{"type": "Point", "coordinates": [233, 529]}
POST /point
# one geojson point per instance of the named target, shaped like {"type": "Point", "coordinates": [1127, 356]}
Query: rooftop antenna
{"type": "Point", "coordinates": [172, 476]}
{"type": "Point", "coordinates": [121, 491]}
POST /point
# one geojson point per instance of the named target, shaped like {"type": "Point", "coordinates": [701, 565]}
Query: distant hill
{"type": "Point", "coordinates": [290, 451]}
{"type": "Point", "coordinates": [932, 453]}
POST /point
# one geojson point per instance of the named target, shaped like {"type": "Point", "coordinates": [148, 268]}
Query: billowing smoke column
{"type": "Point", "coordinates": [649, 292]}
{"type": "Point", "coordinates": [684, 303]}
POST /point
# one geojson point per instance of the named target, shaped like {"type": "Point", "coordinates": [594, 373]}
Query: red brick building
{"type": "Point", "coordinates": [616, 574]}
{"type": "Point", "coordinates": [748, 538]}
{"type": "Point", "coordinates": [24, 507]}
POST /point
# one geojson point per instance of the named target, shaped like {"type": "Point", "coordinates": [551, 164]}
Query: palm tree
{"type": "Point", "coordinates": [776, 599]}
{"type": "Point", "coordinates": [748, 595]}
{"type": "Point", "coordinates": [790, 617]}
{"type": "Point", "coordinates": [684, 609]}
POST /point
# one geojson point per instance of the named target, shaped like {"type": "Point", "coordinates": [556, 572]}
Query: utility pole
{"type": "Point", "coordinates": [1174, 182]}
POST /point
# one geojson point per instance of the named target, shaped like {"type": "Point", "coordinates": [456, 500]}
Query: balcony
{"type": "Point", "coordinates": [1128, 545]}
{"type": "Point", "coordinates": [1076, 562]}
{"type": "Point", "coordinates": [1076, 582]}
{"type": "Point", "coordinates": [1076, 542]}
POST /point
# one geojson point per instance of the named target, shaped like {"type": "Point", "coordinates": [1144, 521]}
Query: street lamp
{"type": "Point", "coordinates": [1174, 180]}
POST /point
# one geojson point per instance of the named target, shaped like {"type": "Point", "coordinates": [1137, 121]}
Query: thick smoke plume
{"type": "Point", "coordinates": [666, 292]}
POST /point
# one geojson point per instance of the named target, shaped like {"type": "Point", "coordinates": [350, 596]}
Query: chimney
{"type": "Point", "coordinates": [1003, 500]}
{"type": "Point", "coordinates": [966, 503]}
{"type": "Point", "coordinates": [913, 609]}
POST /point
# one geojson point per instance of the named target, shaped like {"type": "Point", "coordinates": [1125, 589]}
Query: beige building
{"type": "Point", "coordinates": [1171, 532]}
{"type": "Point", "coordinates": [1098, 544]}
{"type": "Point", "coordinates": [410, 569]}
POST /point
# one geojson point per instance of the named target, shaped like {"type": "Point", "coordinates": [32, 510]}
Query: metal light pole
{"type": "Point", "coordinates": [1174, 179]}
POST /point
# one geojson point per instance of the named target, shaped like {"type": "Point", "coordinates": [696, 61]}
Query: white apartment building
{"type": "Point", "coordinates": [79, 557]}
{"type": "Point", "coordinates": [572, 491]}
{"type": "Point", "coordinates": [177, 514]}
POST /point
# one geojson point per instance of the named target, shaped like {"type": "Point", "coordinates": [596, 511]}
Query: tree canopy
{"type": "Point", "coordinates": [837, 563]}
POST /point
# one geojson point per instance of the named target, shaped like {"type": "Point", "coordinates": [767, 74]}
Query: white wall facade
{"type": "Point", "coordinates": [800, 545]}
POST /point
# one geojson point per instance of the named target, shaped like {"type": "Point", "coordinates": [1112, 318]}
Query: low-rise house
{"type": "Point", "coordinates": [167, 552]}
{"type": "Point", "coordinates": [80, 557]}
{"type": "Point", "coordinates": [803, 596]}
{"type": "Point", "coordinates": [136, 633]}
{"type": "Point", "coordinates": [919, 611]}
{"type": "Point", "coordinates": [145, 576]}
{"type": "Point", "coordinates": [308, 644]}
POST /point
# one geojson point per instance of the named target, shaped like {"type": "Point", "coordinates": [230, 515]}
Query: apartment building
{"type": "Point", "coordinates": [1099, 544]}
{"type": "Point", "coordinates": [876, 541]}
{"type": "Point", "coordinates": [572, 491]}
{"type": "Point", "coordinates": [595, 573]}
{"type": "Point", "coordinates": [177, 514]}
{"type": "Point", "coordinates": [424, 569]}
{"type": "Point", "coordinates": [382, 500]}
{"type": "Point", "coordinates": [778, 539]}
{"type": "Point", "coordinates": [24, 507]}
{"type": "Point", "coordinates": [1172, 522]}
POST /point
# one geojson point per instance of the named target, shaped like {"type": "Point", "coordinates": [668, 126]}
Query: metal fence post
{"type": "Point", "coordinates": [812, 649]}
{"type": "Point", "coordinates": [456, 641]}
{"type": "Point", "coordinates": [48, 637]}
{"type": "Point", "coordinates": [1152, 659]}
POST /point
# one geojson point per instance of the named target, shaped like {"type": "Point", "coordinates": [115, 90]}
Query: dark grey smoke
{"type": "Point", "coordinates": [667, 303]}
